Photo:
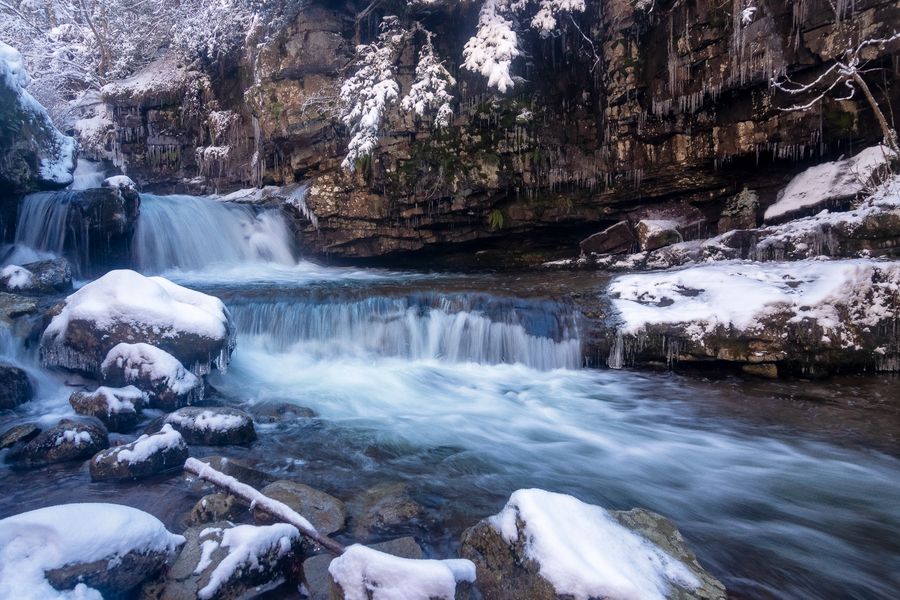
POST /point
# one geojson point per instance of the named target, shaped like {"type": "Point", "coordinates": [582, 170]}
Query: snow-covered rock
{"type": "Point", "coordinates": [119, 181]}
{"type": "Point", "coordinates": [548, 546]}
{"type": "Point", "coordinates": [824, 185]}
{"type": "Point", "coordinates": [215, 426]}
{"type": "Point", "coordinates": [126, 307]}
{"type": "Point", "coordinates": [15, 388]}
{"type": "Point", "coordinates": [42, 277]}
{"type": "Point", "coordinates": [118, 408]}
{"type": "Point", "coordinates": [148, 455]}
{"type": "Point", "coordinates": [156, 373]}
{"type": "Point", "coordinates": [14, 278]}
{"type": "Point", "coordinates": [67, 440]}
{"type": "Point", "coordinates": [226, 562]}
{"type": "Point", "coordinates": [807, 316]}
{"type": "Point", "coordinates": [326, 513]}
{"type": "Point", "coordinates": [656, 233]}
{"type": "Point", "coordinates": [92, 549]}
{"type": "Point", "coordinates": [33, 152]}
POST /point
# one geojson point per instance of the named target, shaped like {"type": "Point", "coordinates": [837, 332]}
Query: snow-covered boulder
{"type": "Point", "coordinates": [158, 374]}
{"type": "Point", "coordinates": [828, 184]}
{"type": "Point", "coordinates": [215, 426]}
{"type": "Point", "coordinates": [118, 408]}
{"type": "Point", "coordinates": [67, 440]}
{"type": "Point", "coordinates": [326, 513]}
{"type": "Point", "coordinates": [80, 551]}
{"type": "Point", "coordinates": [615, 239]}
{"type": "Point", "coordinates": [15, 388]}
{"type": "Point", "coordinates": [148, 455]}
{"type": "Point", "coordinates": [362, 572]}
{"type": "Point", "coordinates": [41, 277]}
{"type": "Point", "coordinates": [18, 434]}
{"type": "Point", "coordinates": [656, 233]}
{"type": "Point", "coordinates": [33, 152]}
{"type": "Point", "coordinates": [226, 562]}
{"type": "Point", "coordinates": [806, 317]}
{"type": "Point", "coordinates": [120, 181]}
{"type": "Point", "coordinates": [126, 307]}
{"type": "Point", "coordinates": [549, 546]}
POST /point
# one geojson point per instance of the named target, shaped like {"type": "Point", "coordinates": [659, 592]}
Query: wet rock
{"type": "Point", "coordinates": [272, 412]}
{"type": "Point", "coordinates": [117, 408]}
{"type": "Point", "coordinates": [741, 212]}
{"type": "Point", "coordinates": [506, 570]}
{"type": "Point", "coordinates": [258, 559]}
{"type": "Point", "coordinates": [763, 370]}
{"type": "Point", "coordinates": [616, 239]}
{"type": "Point", "coordinates": [148, 455]}
{"type": "Point", "coordinates": [382, 507]}
{"type": "Point", "coordinates": [326, 513]}
{"type": "Point", "coordinates": [167, 384]}
{"type": "Point", "coordinates": [15, 388]}
{"type": "Point", "coordinates": [13, 306]}
{"type": "Point", "coordinates": [240, 470]}
{"type": "Point", "coordinates": [216, 507]}
{"type": "Point", "coordinates": [655, 233]}
{"type": "Point", "coordinates": [214, 426]}
{"type": "Point", "coordinates": [18, 434]}
{"type": "Point", "coordinates": [68, 440]}
{"type": "Point", "coordinates": [130, 570]}
{"type": "Point", "coordinates": [318, 580]}
{"type": "Point", "coordinates": [43, 277]}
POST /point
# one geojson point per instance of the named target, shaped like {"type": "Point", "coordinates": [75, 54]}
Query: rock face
{"type": "Point", "coordinates": [508, 552]}
{"type": "Point", "coordinates": [68, 440]}
{"type": "Point", "coordinates": [683, 114]}
{"type": "Point", "coordinates": [326, 513]}
{"type": "Point", "coordinates": [15, 388]}
{"type": "Point", "coordinates": [148, 455]}
{"type": "Point", "coordinates": [116, 407]}
{"type": "Point", "coordinates": [217, 426]}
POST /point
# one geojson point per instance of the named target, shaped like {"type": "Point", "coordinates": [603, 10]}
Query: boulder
{"type": "Point", "coordinates": [126, 307]}
{"type": "Point", "coordinates": [67, 440]}
{"type": "Point", "coordinates": [216, 507]}
{"type": "Point", "coordinates": [227, 562]}
{"type": "Point", "coordinates": [740, 212]}
{"type": "Point", "coordinates": [318, 580]}
{"type": "Point", "coordinates": [616, 239]}
{"type": "Point", "coordinates": [148, 455]}
{"type": "Point", "coordinates": [117, 407]}
{"type": "Point", "coordinates": [15, 388]}
{"type": "Point", "coordinates": [382, 507]}
{"type": "Point", "coordinates": [165, 381]}
{"type": "Point", "coordinates": [657, 233]}
{"type": "Point", "coordinates": [13, 306]}
{"type": "Point", "coordinates": [326, 513]}
{"type": "Point", "coordinates": [548, 546]}
{"type": "Point", "coordinates": [119, 181]}
{"type": "Point", "coordinates": [108, 548]}
{"type": "Point", "coordinates": [18, 434]}
{"type": "Point", "coordinates": [42, 277]}
{"type": "Point", "coordinates": [214, 426]}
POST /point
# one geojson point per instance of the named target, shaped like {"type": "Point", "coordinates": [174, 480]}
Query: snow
{"type": "Point", "coordinates": [140, 361]}
{"type": "Point", "coordinates": [146, 446]}
{"type": "Point", "coordinates": [57, 156]}
{"type": "Point", "coordinates": [88, 174]}
{"type": "Point", "coordinates": [16, 278]}
{"type": "Point", "coordinates": [545, 19]}
{"type": "Point", "coordinates": [827, 182]}
{"type": "Point", "coordinates": [119, 181]}
{"type": "Point", "coordinates": [163, 76]}
{"type": "Point", "coordinates": [246, 544]}
{"type": "Point", "coordinates": [738, 294]}
{"type": "Point", "coordinates": [120, 399]}
{"type": "Point", "coordinates": [430, 92]}
{"type": "Point", "coordinates": [206, 420]}
{"type": "Point", "coordinates": [152, 303]}
{"type": "Point", "coordinates": [585, 553]}
{"type": "Point", "coordinates": [49, 538]}
{"type": "Point", "coordinates": [73, 436]}
{"type": "Point", "coordinates": [367, 574]}
{"type": "Point", "coordinates": [495, 44]}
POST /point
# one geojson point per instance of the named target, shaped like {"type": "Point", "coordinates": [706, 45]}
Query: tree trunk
{"type": "Point", "coordinates": [890, 136]}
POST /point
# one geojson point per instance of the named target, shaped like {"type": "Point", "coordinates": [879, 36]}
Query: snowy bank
{"type": "Point", "coordinates": [88, 548]}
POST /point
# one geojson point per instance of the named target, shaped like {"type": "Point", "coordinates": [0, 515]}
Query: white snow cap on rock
{"type": "Point", "coordinates": [119, 181]}
{"type": "Point", "coordinates": [829, 181]}
{"type": "Point", "coordinates": [49, 538]}
{"type": "Point", "coordinates": [16, 278]}
{"type": "Point", "coordinates": [139, 360]}
{"type": "Point", "coordinates": [206, 420]}
{"type": "Point", "coordinates": [147, 445]}
{"type": "Point", "coordinates": [148, 302]}
{"type": "Point", "coordinates": [585, 553]}
{"type": "Point", "coordinates": [364, 573]}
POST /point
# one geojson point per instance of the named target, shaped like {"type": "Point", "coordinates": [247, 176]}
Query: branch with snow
{"type": "Point", "coordinates": [430, 93]}
{"type": "Point", "coordinates": [495, 44]}
{"type": "Point", "coordinates": [545, 21]}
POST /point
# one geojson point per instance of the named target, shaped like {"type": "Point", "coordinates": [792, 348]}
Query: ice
{"type": "Point", "coordinates": [367, 574]}
{"type": "Point", "coordinates": [585, 553]}
{"type": "Point", "coordinates": [49, 538]}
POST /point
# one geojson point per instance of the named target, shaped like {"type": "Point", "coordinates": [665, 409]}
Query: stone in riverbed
{"type": "Point", "coordinates": [214, 426]}
{"type": "Point", "coordinates": [166, 382]}
{"type": "Point", "coordinates": [656, 233]}
{"type": "Point", "coordinates": [382, 507]}
{"type": "Point", "coordinates": [216, 507]}
{"type": "Point", "coordinates": [116, 407]}
{"type": "Point", "coordinates": [616, 239]}
{"type": "Point", "coordinates": [523, 552]}
{"type": "Point", "coordinates": [18, 434]}
{"type": "Point", "coordinates": [326, 513]}
{"type": "Point", "coordinates": [42, 277]}
{"type": "Point", "coordinates": [67, 440]}
{"type": "Point", "coordinates": [272, 412]}
{"type": "Point", "coordinates": [15, 388]}
{"type": "Point", "coordinates": [258, 559]}
{"type": "Point", "coordinates": [148, 455]}
{"type": "Point", "coordinates": [240, 470]}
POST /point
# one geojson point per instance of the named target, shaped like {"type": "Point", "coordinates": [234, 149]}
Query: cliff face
{"type": "Point", "coordinates": [663, 111]}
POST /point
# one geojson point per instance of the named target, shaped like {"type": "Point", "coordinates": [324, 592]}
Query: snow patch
{"type": "Point", "coordinates": [15, 277]}
{"type": "Point", "coordinates": [148, 445]}
{"type": "Point", "coordinates": [143, 361]}
{"type": "Point", "coordinates": [120, 181]}
{"type": "Point", "coordinates": [206, 420]}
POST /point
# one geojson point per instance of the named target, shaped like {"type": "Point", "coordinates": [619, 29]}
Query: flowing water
{"type": "Point", "coordinates": [468, 387]}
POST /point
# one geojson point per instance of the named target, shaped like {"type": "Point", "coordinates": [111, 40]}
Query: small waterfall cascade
{"type": "Point", "coordinates": [88, 174]}
{"type": "Point", "coordinates": [461, 327]}
{"type": "Point", "coordinates": [190, 233]}
{"type": "Point", "coordinates": [44, 229]}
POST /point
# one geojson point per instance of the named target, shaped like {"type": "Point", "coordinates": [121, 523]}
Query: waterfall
{"type": "Point", "coordinates": [88, 174]}
{"type": "Point", "coordinates": [190, 233]}
{"type": "Point", "coordinates": [43, 229]}
{"type": "Point", "coordinates": [428, 326]}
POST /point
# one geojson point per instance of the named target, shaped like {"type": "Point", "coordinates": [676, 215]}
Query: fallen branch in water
{"type": "Point", "coordinates": [277, 509]}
